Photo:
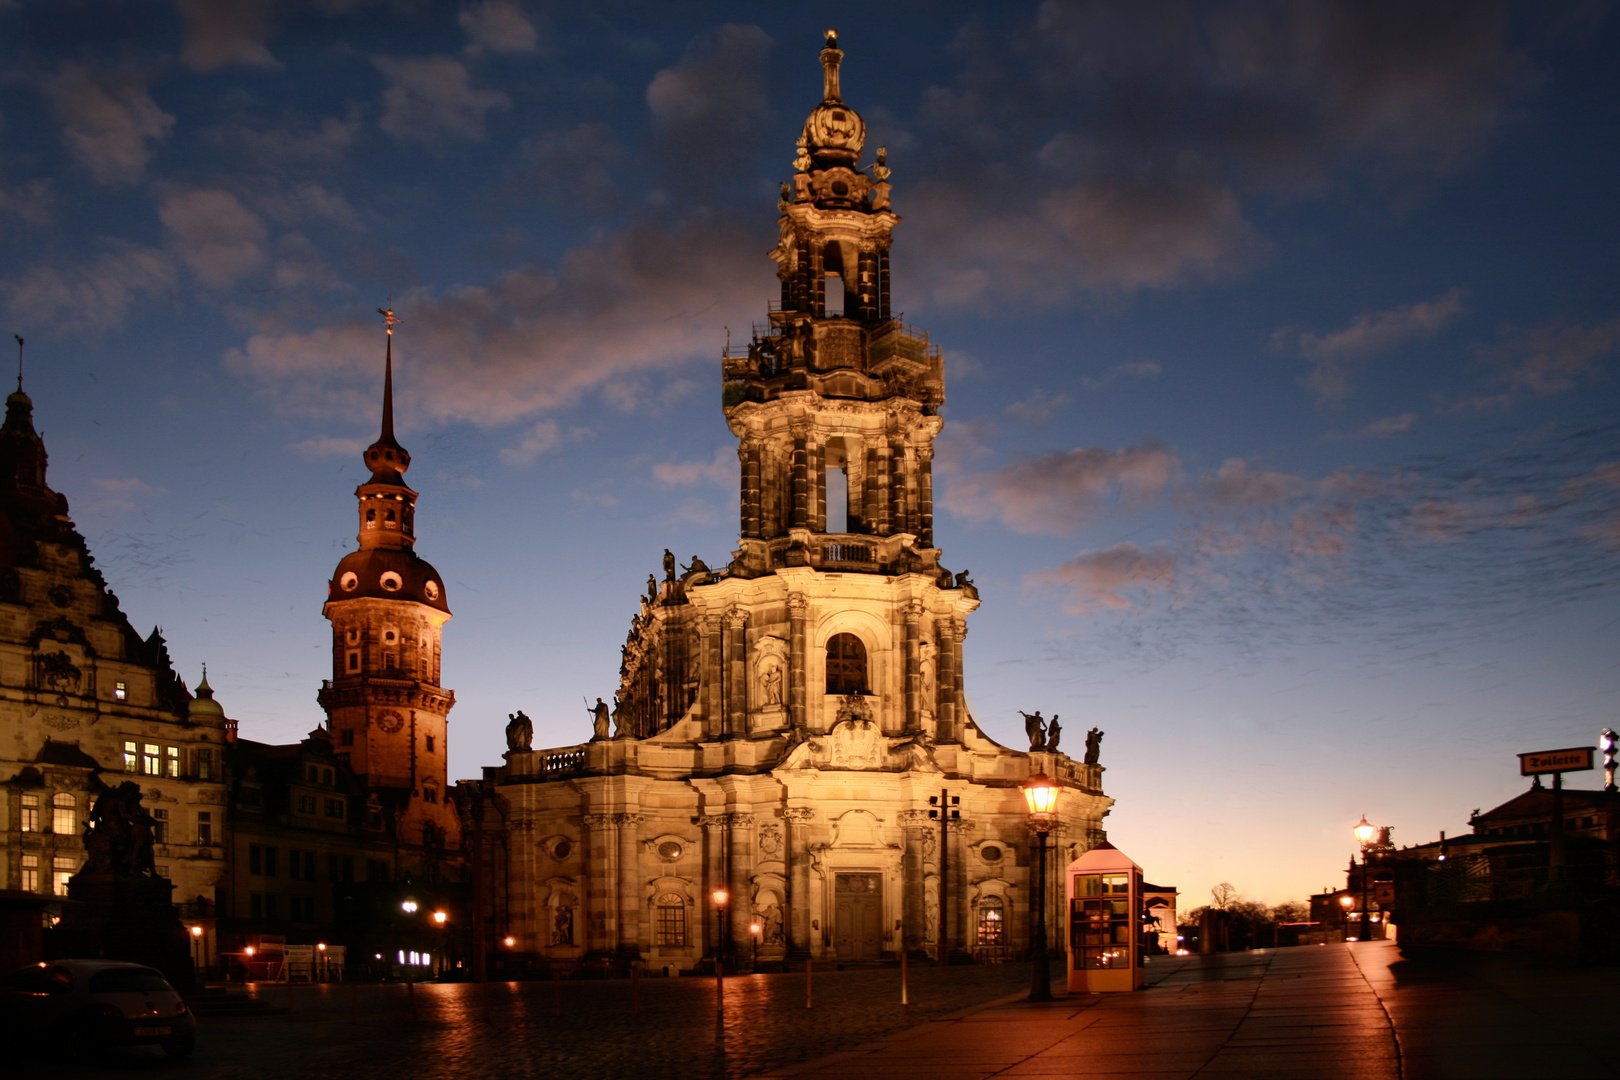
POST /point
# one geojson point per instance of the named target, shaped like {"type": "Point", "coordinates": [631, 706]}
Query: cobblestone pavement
{"type": "Point", "coordinates": [596, 1034]}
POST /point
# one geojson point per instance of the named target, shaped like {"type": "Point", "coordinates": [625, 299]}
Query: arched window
{"type": "Point", "coordinates": [992, 921]}
{"type": "Point", "coordinates": [671, 919]}
{"type": "Point", "coordinates": [64, 814]}
{"type": "Point", "coordinates": [846, 665]}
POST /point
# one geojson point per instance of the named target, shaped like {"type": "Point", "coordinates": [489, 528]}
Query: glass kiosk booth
{"type": "Point", "coordinates": [1105, 925]}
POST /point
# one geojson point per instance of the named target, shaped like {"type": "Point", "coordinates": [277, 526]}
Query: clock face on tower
{"type": "Point", "coordinates": [390, 721]}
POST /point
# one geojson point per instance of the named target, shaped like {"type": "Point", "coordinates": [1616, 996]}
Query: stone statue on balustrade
{"type": "Point", "coordinates": [519, 731]}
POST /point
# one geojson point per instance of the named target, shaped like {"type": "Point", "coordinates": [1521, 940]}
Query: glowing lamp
{"type": "Point", "coordinates": [1365, 830]}
{"type": "Point", "coordinates": [250, 950]}
{"type": "Point", "coordinates": [439, 917]}
{"type": "Point", "coordinates": [408, 907]}
{"type": "Point", "coordinates": [720, 897]}
{"type": "Point", "coordinates": [753, 928]}
{"type": "Point", "coordinates": [1348, 902]}
{"type": "Point", "coordinates": [1041, 794]}
{"type": "Point", "coordinates": [509, 942]}
{"type": "Point", "coordinates": [196, 931]}
{"type": "Point", "coordinates": [321, 945]}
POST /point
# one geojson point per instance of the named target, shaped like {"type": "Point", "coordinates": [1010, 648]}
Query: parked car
{"type": "Point", "coordinates": [94, 1004]}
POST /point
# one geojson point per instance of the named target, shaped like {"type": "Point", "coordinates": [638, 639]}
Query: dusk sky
{"type": "Point", "coordinates": [1281, 437]}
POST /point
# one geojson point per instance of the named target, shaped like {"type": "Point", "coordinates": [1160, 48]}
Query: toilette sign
{"type": "Point", "coordinates": [1554, 761]}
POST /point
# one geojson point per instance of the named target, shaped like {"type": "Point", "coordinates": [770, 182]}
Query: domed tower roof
{"type": "Point", "coordinates": [387, 574]}
{"type": "Point", "coordinates": [834, 133]}
{"type": "Point", "coordinates": [204, 704]}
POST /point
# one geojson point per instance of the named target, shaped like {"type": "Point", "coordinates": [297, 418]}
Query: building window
{"type": "Point", "coordinates": [334, 809]}
{"type": "Point", "coordinates": [30, 813]}
{"type": "Point", "coordinates": [150, 759]}
{"type": "Point", "coordinates": [160, 826]}
{"type": "Point", "coordinates": [64, 814]}
{"type": "Point", "coordinates": [205, 764]}
{"type": "Point", "coordinates": [255, 859]}
{"type": "Point", "coordinates": [120, 691]}
{"type": "Point", "coordinates": [846, 665]}
{"type": "Point", "coordinates": [205, 828]}
{"type": "Point", "coordinates": [306, 804]}
{"type": "Point", "coordinates": [326, 777]}
{"type": "Point", "coordinates": [430, 744]}
{"type": "Point", "coordinates": [301, 865]}
{"type": "Point", "coordinates": [671, 920]}
{"type": "Point", "coordinates": [348, 737]}
{"type": "Point", "coordinates": [30, 873]}
{"type": "Point", "coordinates": [62, 869]}
{"type": "Point", "coordinates": [256, 905]}
{"type": "Point", "coordinates": [171, 762]}
{"type": "Point", "coordinates": [430, 793]}
{"type": "Point", "coordinates": [992, 921]}
{"type": "Point", "coordinates": [132, 757]}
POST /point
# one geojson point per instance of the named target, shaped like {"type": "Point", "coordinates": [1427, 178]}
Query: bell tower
{"type": "Point", "coordinates": [384, 705]}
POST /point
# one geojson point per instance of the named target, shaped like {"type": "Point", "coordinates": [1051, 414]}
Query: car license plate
{"type": "Point", "coordinates": [152, 1031]}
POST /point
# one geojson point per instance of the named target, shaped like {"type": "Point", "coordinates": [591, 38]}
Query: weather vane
{"type": "Point", "coordinates": [388, 317]}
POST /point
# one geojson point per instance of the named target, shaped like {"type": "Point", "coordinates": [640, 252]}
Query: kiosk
{"type": "Point", "coordinates": [1105, 922]}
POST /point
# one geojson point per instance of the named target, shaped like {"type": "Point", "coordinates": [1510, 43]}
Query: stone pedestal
{"type": "Point", "coordinates": [124, 917]}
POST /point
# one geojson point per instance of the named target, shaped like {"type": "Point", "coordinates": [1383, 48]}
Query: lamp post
{"type": "Point", "coordinates": [439, 918]}
{"type": "Point", "coordinates": [1041, 794]}
{"type": "Point", "coordinates": [754, 929]}
{"type": "Point", "coordinates": [720, 899]}
{"type": "Point", "coordinates": [1365, 831]}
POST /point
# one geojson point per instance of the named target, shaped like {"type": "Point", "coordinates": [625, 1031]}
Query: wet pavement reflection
{"type": "Point", "coordinates": [515, 1030]}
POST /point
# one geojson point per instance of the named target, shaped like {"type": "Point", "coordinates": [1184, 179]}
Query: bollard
{"type": "Point", "coordinates": [807, 982]}
{"type": "Point", "coordinates": [903, 987]}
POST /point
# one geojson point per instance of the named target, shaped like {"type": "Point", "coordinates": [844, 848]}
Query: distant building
{"type": "Point", "coordinates": [784, 721]}
{"type": "Point", "coordinates": [86, 703]}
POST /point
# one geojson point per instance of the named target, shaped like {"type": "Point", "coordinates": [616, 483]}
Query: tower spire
{"type": "Point", "coordinates": [386, 459]}
{"type": "Point", "coordinates": [830, 57]}
{"type": "Point", "coordinates": [19, 361]}
{"type": "Point", "coordinates": [388, 376]}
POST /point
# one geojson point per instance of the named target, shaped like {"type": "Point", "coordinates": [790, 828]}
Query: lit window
{"type": "Point", "coordinates": [30, 814]}
{"type": "Point", "coordinates": [120, 691]}
{"type": "Point", "coordinates": [671, 920]}
{"type": "Point", "coordinates": [160, 827]}
{"type": "Point", "coordinates": [846, 665]}
{"type": "Point", "coordinates": [62, 869]}
{"type": "Point", "coordinates": [171, 761]}
{"type": "Point", "coordinates": [205, 827]}
{"type": "Point", "coordinates": [30, 873]}
{"type": "Point", "coordinates": [149, 758]}
{"type": "Point", "coordinates": [992, 921]}
{"type": "Point", "coordinates": [64, 814]}
{"type": "Point", "coordinates": [132, 757]}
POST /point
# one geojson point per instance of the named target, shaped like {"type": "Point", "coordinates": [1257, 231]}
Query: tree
{"type": "Point", "coordinates": [1223, 896]}
{"type": "Point", "coordinates": [1290, 911]}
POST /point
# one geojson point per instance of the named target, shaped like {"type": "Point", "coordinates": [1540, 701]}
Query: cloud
{"type": "Point", "coordinates": [300, 263]}
{"type": "Point", "coordinates": [432, 99]}
{"type": "Point", "coordinates": [1553, 358]}
{"type": "Point", "coordinates": [326, 446]}
{"type": "Point", "coordinates": [1146, 369]}
{"type": "Point", "coordinates": [625, 304]}
{"type": "Point", "coordinates": [1391, 425]}
{"type": "Point", "coordinates": [88, 298]}
{"type": "Point", "coordinates": [108, 121]}
{"type": "Point", "coordinates": [218, 238]}
{"type": "Point", "coordinates": [1235, 485]}
{"type": "Point", "coordinates": [576, 163]}
{"type": "Point", "coordinates": [536, 441]}
{"type": "Point", "coordinates": [720, 469]}
{"type": "Point", "coordinates": [498, 26]}
{"type": "Point", "coordinates": [321, 141]}
{"type": "Point", "coordinates": [1334, 355]}
{"type": "Point", "coordinates": [1102, 147]}
{"type": "Point", "coordinates": [1102, 580]}
{"type": "Point", "coordinates": [226, 33]}
{"type": "Point", "coordinates": [309, 203]}
{"type": "Point", "coordinates": [714, 101]}
{"type": "Point", "coordinates": [28, 203]}
{"type": "Point", "coordinates": [123, 494]}
{"type": "Point", "coordinates": [1037, 409]}
{"type": "Point", "coordinates": [1055, 492]}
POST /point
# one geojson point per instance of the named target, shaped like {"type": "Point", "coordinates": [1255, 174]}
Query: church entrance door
{"type": "Point", "coordinates": [858, 922]}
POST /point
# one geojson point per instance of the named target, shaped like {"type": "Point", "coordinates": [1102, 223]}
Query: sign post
{"type": "Point", "coordinates": [1557, 762]}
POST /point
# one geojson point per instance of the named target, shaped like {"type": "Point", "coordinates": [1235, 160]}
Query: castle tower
{"type": "Point", "coordinates": [384, 705]}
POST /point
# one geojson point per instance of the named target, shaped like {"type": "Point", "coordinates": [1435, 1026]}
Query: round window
{"type": "Point", "coordinates": [432, 590]}
{"type": "Point", "coordinates": [840, 188]}
{"type": "Point", "coordinates": [391, 581]}
{"type": "Point", "coordinates": [563, 849]}
{"type": "Point", "coordinates": [990, 853]}
{"type": "Point", "coordinates": [669, 850]}
{"type": "Point", "coordinates": [349, 581]}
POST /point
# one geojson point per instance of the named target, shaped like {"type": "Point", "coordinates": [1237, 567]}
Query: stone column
{"type": "Point", "coordinates": [958, 702]}
{"type": "Point", "coordinates": [737, 671]}
{"type": "Point", "coordinates": [714, 673]}
{"type": "Point", "coordinates": [800, 511]}
{"type": "Point", "coordinates": [520, 858]}
{"type": "Point", "coordinates": [749, 452]}
{"type": "Point", "coordinates": [884, 495]}
{"type": "Point", "coordinates": [714, 877]}
{"type": "Point", "coordinates": [913, 908]}
{"type": "Point", "coordinates": [883, 284]}
{"type": "Point", "coordinates": [925, 496]}
{"type": "Point", "coordinates": [945, 679]}
{"type": "Point", "coordinates": [798, 856]}
{"type": "Point", "coordinates": [798, 616]}
{"type": "Point", "coordinates": [871, 489]}
{"type": "Point", "coordinates": [957, 830]}
{"type": "Point", "coordinates": [741, 867]}
{"type": "Point", "coordinates": [632, 932]}
{"type": "Point", "coordinates": [898, 517]}
{"type": "Point", "coordinates": [818, 484]}
{"type": "Point", "coordinates": [867, 284]}
{"type": "Point", "coordinates": [913, 669]}
{"type": "Point", "coordinates": [600, 886]}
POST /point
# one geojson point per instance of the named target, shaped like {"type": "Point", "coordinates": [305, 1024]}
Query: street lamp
{"type": "Point", "coordinates": [1365, 831]}
{"type": "Point", "coordinates": [720, 899]}
{"type": "Point", "coordinates": [439, 918]}
{"type": "Point", "coordinates": [1041, 794]}
{"type": "Point", "coordinates": [753, 928]}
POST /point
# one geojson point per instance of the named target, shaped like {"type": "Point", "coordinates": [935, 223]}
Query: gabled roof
{"type": "Point", "coordinates": [1536, 805]}
{"type": "Point", "coordinates": [65, 753]}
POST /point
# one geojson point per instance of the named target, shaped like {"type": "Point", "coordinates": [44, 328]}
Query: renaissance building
{"type": "Point", "coordinates": [786, 724]}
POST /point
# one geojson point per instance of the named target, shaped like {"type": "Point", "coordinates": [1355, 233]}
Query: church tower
{"type": "Point", "coordinates": [384, 705]}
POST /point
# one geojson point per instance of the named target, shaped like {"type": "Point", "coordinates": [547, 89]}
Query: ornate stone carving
{"type": "Point", "coordinates": [770, 839]}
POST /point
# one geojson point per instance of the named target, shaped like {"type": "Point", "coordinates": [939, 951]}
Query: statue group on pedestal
{"type": "Point", "coordinates": [119, 839]}
{"type": "Point", "coordinates": [1043, 734]}
{"type": "Point", "coordinates": [519, 731]}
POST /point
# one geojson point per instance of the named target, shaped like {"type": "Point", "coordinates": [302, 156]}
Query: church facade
{"type": "Point", "coordinates": [791, 728]}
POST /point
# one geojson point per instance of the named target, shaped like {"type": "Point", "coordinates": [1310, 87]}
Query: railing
{"type": "Point", "coordinates": [865, 554]}
{"type": "Point", "coordinates": [557, 762]}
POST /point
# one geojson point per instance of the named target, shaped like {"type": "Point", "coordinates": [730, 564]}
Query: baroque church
{"type": "Point", "coordinates": [787, 727]}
